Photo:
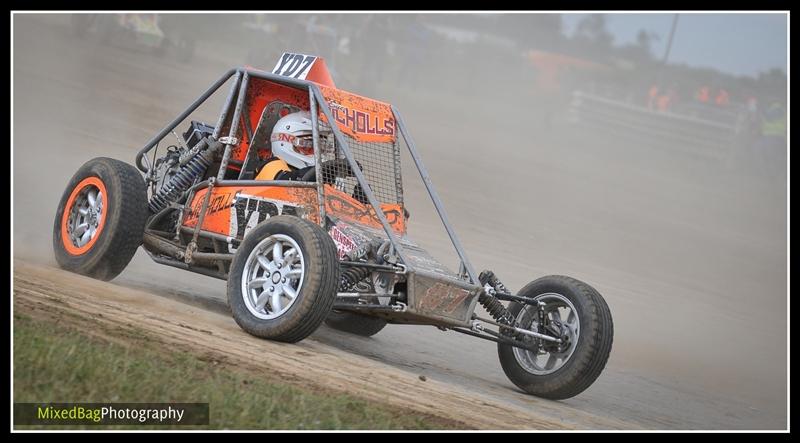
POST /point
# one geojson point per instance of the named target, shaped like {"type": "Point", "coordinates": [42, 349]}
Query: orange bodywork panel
{"type": "Point", "coordinates": [320, 74]}
{"type": "Point", "coordinates": [259, 94]}
{"type": "Point", "coordinates": [302, 201]}
{"type": "Point", "coordinates": [218, 215]}
{"type": "Point", "coordinates": [345, 207]}
{"type": "Point", "coordinates": [362, 118]}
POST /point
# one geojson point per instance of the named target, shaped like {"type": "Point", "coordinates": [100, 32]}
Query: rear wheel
{"type": "Point", "coordinates": [100, 219]}
{"type": "Point", "coordinates": [358, 324]}
{"type": "Point", "coordinates": [283, 279]}
{"type": "Point", "coordinates": [573, 311]}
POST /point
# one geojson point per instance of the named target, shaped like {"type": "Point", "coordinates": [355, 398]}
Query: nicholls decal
{"type": "Point", "coordinates": [362, 122]}
{"type": "Point", "coordinates": [215, 204]}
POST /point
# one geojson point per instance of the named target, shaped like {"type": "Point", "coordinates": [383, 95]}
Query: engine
{"type": "Point", "coordinates": [182, 167]}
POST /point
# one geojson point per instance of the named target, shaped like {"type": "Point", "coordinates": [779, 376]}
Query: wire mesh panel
{"type": "Point", "coordinates": [379, 162]}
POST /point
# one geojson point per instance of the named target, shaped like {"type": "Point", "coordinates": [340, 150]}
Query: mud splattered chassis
{"type": "Point", "coordinates": [297, 253]}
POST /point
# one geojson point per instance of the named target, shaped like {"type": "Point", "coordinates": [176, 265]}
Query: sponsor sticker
{"type": "Point", "coordinates": [344, 244]}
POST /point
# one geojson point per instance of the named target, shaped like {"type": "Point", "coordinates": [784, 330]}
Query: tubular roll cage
{"type": "Point", "coordinates": [242, 76]}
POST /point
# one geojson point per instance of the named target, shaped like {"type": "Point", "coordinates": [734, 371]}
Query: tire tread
{"type": "Point", "coordinates": [125, 223]}
{"type": "Point", "coordinates": [589, 364]}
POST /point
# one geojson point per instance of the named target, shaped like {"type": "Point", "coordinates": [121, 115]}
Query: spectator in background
{"type": "Point", "coordinates": [703, 94]}
{"type": "Point", "coordinates": [672, 92]}
{"type": "Point", "coordinates": [652, 96]}
{"type": "Point", "coordinates": [665, 101]}
{"type": "Point", "coordinates": [753, 124]}
{"type": "Point", "coordinates": [774, 122]}
{"type": "Point", "coordinates": [752, 104]}
{"type": "Point", "coordinates": [723, 98]}
{"type": "Point", "coordinates": [770, 148]}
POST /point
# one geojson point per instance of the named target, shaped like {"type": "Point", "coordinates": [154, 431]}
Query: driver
{"type": "Point", "coordinates": [292, 149]}
{"type": "Point", "coordinates": [293, 154]}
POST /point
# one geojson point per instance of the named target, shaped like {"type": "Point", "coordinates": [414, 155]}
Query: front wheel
{"type": "Point", "coordinates": [100, 219]}
{"type": "Point", "coordinates": [573, 311]}
{"type": "Point", "coordinates": [283, 279]}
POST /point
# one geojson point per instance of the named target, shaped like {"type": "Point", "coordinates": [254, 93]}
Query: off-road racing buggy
{"type": "Point", "coordinates": [329, 247]}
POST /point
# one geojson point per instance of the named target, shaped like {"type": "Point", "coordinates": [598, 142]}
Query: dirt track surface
{"type": "Point", "coordinates": [691, 259]}
{"type": "Point", "coordinates": [97, 306]}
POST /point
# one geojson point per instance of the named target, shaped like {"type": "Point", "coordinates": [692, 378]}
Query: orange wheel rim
{"type": "Point", "coordinates": [84, 216]}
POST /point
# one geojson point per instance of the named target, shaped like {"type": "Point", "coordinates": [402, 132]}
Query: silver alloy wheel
{"type": "Point", "coordinates": [546, 361]}
{"type": "Point", "coordinates": [85, 216]}
{"type": "Point", "coordinates": [273, 276]}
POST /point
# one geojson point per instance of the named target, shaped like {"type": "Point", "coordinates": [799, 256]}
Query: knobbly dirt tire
{"type": "Point", "coordinates": [353, 323]}
{"type": "Point", "coordinates": [596, 333]}
{"type": "Point", "coordinates": [317, 291]}
{"type": "Point", "coordinates": [120, 221]}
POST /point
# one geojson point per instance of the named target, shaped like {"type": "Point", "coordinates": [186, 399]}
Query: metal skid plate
{"type": "Point", "coordinates": [446, 300]}
{"type": "Point", "coordinates": [434, 293]}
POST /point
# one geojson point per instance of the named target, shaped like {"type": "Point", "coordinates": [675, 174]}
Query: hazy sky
{"type": "Point", "coordinates": [742, 44]}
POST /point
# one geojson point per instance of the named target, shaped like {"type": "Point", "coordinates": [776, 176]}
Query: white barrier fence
{"type": "Point", "coordinates": [638, 124]}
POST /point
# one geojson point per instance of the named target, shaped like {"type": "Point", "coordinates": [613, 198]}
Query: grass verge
{"type": "Point", "coordinates": [56, 363]}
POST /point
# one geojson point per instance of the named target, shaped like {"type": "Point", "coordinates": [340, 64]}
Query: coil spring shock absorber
{"type": "Point", "coordinates": [492, 305]}
{"type": "Point", "coordinates": [183, 179]}
{"type": "Point", "coordinates": [351, 276]}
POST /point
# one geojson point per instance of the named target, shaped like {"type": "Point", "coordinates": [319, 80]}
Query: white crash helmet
{"type": "Point", "coordinates": [291, 140]}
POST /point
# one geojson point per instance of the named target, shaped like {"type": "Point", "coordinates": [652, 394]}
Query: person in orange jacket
{"type": "Point", "coordinates": [652, 96]}
{"type": "Point", "coordinates": [723, 98]}
{"type": "Point", "coordinates": [703, 94]}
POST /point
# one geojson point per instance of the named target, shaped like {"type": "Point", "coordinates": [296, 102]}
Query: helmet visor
{"type": "Point", "coordinates": [304, 145]}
